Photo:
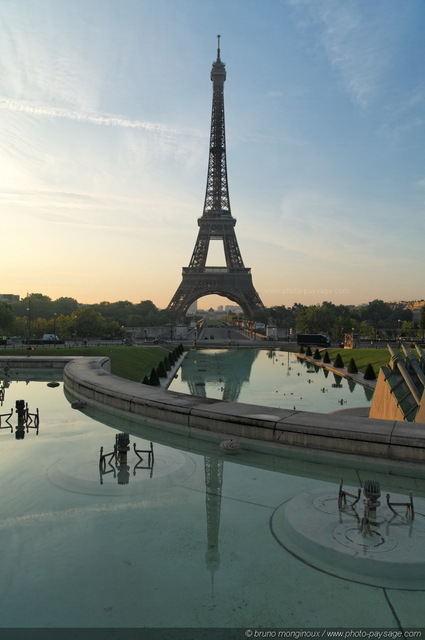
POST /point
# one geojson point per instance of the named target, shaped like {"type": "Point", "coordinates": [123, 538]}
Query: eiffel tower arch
{"type": "Point", "coordinates": [232, 280]}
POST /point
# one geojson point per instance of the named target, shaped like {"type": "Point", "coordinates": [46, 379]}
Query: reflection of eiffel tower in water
{"type": "Point", "coordinates": [227, 369]}
{"type": "Point", "coordinates": [213, 485]}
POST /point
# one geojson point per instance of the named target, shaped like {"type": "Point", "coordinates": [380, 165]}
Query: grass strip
{"type": "Point", "coordinates": [362, 357]}
{"type": "Point", "coordinates": [131, 363]}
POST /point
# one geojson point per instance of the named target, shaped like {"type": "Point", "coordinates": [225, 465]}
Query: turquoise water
{"type": "Point", "coordinates": [267, 377]}
{"type": "Point", "coordinates": [191, 544]}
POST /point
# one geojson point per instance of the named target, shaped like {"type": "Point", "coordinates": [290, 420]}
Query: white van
{"type": "Point", "coordinates": [50, 337]}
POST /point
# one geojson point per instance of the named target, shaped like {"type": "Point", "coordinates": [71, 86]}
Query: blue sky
{"type": "Point", "coordinates": [105, 112]}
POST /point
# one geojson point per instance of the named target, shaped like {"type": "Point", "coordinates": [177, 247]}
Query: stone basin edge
{"type": "Point", "coordinates": [90, 378]}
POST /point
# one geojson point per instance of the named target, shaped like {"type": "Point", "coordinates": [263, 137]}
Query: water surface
{"type": "Point", "coordinates": [187, 544]}
{"type": "Point", "coordinates": [268, 377]}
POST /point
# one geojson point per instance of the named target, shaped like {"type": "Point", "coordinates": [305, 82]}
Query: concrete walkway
{"type": "Point", "coordinates": [340, 371]}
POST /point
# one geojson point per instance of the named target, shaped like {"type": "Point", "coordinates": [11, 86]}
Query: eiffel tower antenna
{"type": "Point", "coordinates": [234, 280]}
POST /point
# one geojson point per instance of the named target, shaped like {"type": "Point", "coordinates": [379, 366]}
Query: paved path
{"type": "Point", "coordinates": [341, 371]}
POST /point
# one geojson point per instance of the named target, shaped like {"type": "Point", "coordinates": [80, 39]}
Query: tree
{"type": "Point", "coordinates": [369, 374]}
{"type": "Point", "coordinates": [7, 318]}
{"type": "Point", "coordinates": [260, 315]}
{"type": "Point", "coordinates": [161, 370]}
{"type": "Point", "coordinates": [367, 330]}
{"type": "Point", "coordinates": [352, 367]}
{"type": "Point", "coordinates": [20, 327]}
{"type": "Point", "coordinates": [134, 320]}
{"type": "Point", "coordinates": [339, 363]}
{"type": "Point", "coordinates": [378, 314]}
{"type": "Point", "coordinates": [88, 322]}
{"type": "Point", "coordinates": [115, 330]}
{"type": "Point", "coordinates": [39, 326]}
{"type": "Point", "coordinates": [316, 318]}
{"type": "Point", "coordinates": [408, 329]}
{"type": "Point", "coordinates": [39, 305]}
{"type": "Point", "coordinates": [164, 316]}
{"type": "Point", "coordinates": [422, 321]}
{"type": "Point", "coordinates": [154, 378]}
{"type": "Point", "coordinates": [118, 311]}
{"type": "Point", "coordinates": [64, 306]}
{"type": "Point", "coordinates": [145, 306]}
{"type": "Point", "coordinates": [282, 316]}
{"type": "Point", "coordinates": [65, 326]}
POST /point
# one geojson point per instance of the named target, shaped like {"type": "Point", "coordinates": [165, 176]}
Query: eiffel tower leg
{"type": "Point", "coordinates": [234, 284]}
{"type": "Point", "coordinates": [181, 300]}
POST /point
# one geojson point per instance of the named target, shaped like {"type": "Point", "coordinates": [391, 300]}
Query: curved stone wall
{"type": "Point", "coordinates": [195, 416]}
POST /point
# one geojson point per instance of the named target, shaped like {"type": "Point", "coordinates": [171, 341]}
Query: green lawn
{"type": "Point", "coordinates": [132, 363]}
{"type": "Point", "coordinates": [362, 357]}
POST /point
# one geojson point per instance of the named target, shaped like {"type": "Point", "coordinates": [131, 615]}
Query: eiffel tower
{"type": "Point", "coordinates": [233, 281]}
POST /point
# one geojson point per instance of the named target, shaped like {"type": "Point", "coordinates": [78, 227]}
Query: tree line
{"type": "Point", "coordinates": [375, 320]}
{"type": "Point", "coordinates": [37, 314]}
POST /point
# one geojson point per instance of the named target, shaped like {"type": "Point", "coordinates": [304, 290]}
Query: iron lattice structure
{"type": "Point", "coordinates": [234, 280]}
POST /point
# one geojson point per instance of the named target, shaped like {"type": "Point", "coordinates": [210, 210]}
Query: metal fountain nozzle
{"type": "Point", "coordinates": [372, 490]}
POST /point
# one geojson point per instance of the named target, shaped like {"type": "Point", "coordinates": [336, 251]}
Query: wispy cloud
{"type": "Point", "coordinates": [406, 114]}
{"type": "Point", "coordinates": [93, 118]}
{"type": "Point", "coordinates": [359, 40]}
{"type": "Point", "coordinates": [308, 217]}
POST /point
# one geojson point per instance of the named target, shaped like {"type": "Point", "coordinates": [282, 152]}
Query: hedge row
{"type": "Point", "coordinates": [163, 367]}
{"type": "Point", "coordinates": [369, 373]}
{"type": "Point", "coordinates": [339, 363]}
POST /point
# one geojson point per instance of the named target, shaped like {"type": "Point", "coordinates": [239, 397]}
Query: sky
{"type": "Point", "coordinates": [105, 109]}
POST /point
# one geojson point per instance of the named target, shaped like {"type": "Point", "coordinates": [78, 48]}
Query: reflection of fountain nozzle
{"type": "Point", "coordinates": [371, 492]}
{"type": "Point", "coordinates": [26, 420]}
{"type": "Point", "coordinates": [117, 460]}
{"type": "Point", "coordinates": [20, 428]}
{"type": "Point", "coordinates": [122, 442]}
{"type": "Point", "coordinates": [123, 476]}
{"type": "Point", "coordinates": [122, 445]}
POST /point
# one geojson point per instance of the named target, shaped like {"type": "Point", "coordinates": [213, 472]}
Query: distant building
{"type": "Point", "coordinates": [9, 297]}
{"type": "Point", "coordinates": [415, 306]}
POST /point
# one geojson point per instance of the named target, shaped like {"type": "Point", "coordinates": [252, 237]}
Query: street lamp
{"type": "Point", "coordinates": [54, 326]}
{"type": "Point", "coordinates": [29, 326]}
